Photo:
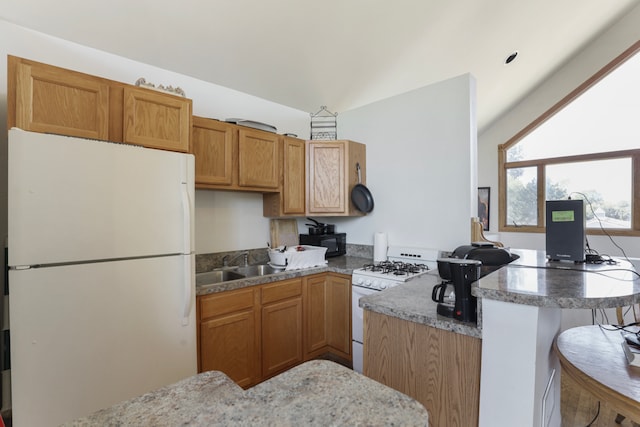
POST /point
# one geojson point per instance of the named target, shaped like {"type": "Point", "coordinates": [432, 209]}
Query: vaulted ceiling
{"type": "Point", "coordinates": [337, 53]}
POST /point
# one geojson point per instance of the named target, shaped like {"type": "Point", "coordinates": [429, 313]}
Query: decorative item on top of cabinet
{"type": "Point", "coordinates": [290, 200]}
{"type": "Point", "coordinates": [332, 174]}
{"type": "Point", "coordinates": [232, 157]}
{"type": "Point", "coordinates": [324, 125]}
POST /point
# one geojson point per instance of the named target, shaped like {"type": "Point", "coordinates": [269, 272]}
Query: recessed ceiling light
{"type": "Point", "coordinates": [511, 57]}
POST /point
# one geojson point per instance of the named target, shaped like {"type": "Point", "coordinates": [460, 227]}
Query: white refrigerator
{"type": "Point", "coordinates": [102, 274]}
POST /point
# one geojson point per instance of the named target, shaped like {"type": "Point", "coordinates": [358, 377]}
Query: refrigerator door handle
{"type": "Point", "coordinates": [187, 284]}
{"type": "Point", "coordinates": [186, 212]}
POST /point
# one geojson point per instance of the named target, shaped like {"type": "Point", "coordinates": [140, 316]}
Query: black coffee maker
{"type": "Point", "coordinates": [460, 304]}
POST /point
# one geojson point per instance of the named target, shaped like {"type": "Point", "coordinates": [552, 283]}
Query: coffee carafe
{"type": "Point", "coordinates": [463, 272]}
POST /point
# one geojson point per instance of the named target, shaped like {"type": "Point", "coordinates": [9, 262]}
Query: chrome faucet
{"type": "Point", "coordinates": [245, 254]}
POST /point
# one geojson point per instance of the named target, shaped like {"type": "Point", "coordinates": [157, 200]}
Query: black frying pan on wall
{"type": "Point", "coordinates": [361, 196]}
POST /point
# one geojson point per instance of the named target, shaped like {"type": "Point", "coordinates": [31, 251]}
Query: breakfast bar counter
{"type": "Point", "coordinates": [320, 393]}
{"type": "Point", "coordinates": [522, 306]}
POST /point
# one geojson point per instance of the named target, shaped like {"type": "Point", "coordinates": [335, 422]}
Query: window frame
{"type": "Point", "coordinates": [540, 164]}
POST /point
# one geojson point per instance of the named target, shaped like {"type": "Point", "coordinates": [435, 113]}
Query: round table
{"type": "Point", "coordinates": [593, 357]}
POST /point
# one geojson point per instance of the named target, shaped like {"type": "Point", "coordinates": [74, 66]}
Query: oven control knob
{"type": "Point", "coordinates": [359, 281]}
{"type": "Point", "coordinates": [367, 283]}
{"type": "Point", "coordinates": [382, 285]}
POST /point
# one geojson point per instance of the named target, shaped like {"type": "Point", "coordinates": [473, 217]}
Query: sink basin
{"type": "Point", "coordinates": [257, 270]}
{"type": "Point", "coordinates": [218, 276]}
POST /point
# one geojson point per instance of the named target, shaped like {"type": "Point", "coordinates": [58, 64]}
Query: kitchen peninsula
{"type": "Point", "coordinates": [502, 370]}
{"type": "Point", "coordinates": [315, 393]}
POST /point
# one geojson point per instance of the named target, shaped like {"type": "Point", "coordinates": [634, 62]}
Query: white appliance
{"type": "Point", "coordinates": [102, 274]}
{"type": "Point", "coordinates": [402, 264]}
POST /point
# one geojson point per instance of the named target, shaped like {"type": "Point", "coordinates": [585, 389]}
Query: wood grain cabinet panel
{"type": "Point", "coordinates": [281, 326]}
{"type": "Point", "coordinates": [254, 333]}
{"type": "Point", "coordinates": [212, 146]}
{"type": "Point", "coordinates": [258, 163]}
{"type": "Point", "coordinates": [316, 322]}
{"type": "Point", "coordinates": [48, 99]}
{"type": "Point", "coordinates": [331, 175]}
{"type": "Point", "coordinates": [290, 200]}
{"type": "Point", "coordinates": [438, 368]}
{"type": "Point", "coordinates": [53, 100]}
{"type": "Point", "coordinates": [232, 157]}
{"type": "Point", "coordinates": [156, 120]}
{"type": "Point", "coordinates": [327, 299]}
{"type": "Point", "coordinates": [229, 335]}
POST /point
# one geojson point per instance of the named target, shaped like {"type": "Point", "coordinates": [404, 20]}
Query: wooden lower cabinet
{"type": "Point", "coordinates": [254, 333]}
{"type": "Point", "coordinates": [281, 326]}
{"type": "Point", "coordinates": [438, 368]}
{"type": "Point", "coordinates": [327, 300]}
{"type": "Point", "coordinates": [228, 338]}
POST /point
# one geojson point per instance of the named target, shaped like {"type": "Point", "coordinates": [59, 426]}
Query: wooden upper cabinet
{"type": "Point", "coordinates": [290, 201]}
{"type": "Point", "coordinates": [232, 157]}
{"type": "Point", "coordinates": [156, 120]}
{"type": "Point", "coordinates": [332, 175]}
{"type": "Point", "coordinates": [258, 162]}
{"type": "Point", "coordinates": [212, 146]}
{"type": "Point", "coordinates": [48, 99]}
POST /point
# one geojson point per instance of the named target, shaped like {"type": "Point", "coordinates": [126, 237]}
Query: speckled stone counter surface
{"type": "Point", "coordinates": [412, 301]}
{"type": "Point", "coordinates": [341, 264]}
{"type": "Point", "coordinates": [531, 280]}
{"type": "Point", "coordinates": [316, 393]}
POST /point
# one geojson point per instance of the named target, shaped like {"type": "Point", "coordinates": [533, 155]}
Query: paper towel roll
{"type": "Point", "coordinates": [380, 247]}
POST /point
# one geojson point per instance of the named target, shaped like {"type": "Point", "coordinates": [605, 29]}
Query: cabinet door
{"type": "Point", "coordinates": [228, 335]}
{"type": "Point", "coordinates": [212, 146]}
{"type": "Point", "coordinates": [54, 100]}
{"type": "Point", "coordinates": [156, 120]}
{"type": "Point", "coordinates": [281, 336]}
{"type": "Point", "coordinates": [228, 345]}
{"type": "Point", "coordinates": [316, 321]}
{"type": "Point", "coordinates": [258, 164]}
{"type": "Point", "coordinates": [293, 190]}
{"type": "Point", "coordinates": [339, 313]}
{"type": "Point", "coordinates": [281, 326]}
{"type": "Point", "coordinates": [326, 178]}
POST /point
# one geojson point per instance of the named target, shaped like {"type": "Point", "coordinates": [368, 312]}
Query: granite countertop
{"type": "Point", "coordinates": [341, 264]}
{"type": "Point", "coordinates": [412, 301]}
{"type": "Point", "coordinates": [319, 392]}
{"type": "Point", "coordinates": [532, 280]}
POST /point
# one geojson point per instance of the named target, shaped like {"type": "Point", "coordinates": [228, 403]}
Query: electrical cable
{"type": "Point", "coordinates": [596, 417]}
{"type": "Point", "coordinates": [600, 223]}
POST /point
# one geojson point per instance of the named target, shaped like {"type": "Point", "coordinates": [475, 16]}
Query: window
{"type": "Point", "coordinates": [586, 147]}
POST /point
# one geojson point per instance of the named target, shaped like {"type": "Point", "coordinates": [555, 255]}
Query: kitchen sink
{"type": "Point", "coordinates": [234, 273]}
{"type": "Point", "coordinates": [217, 276]}
{"type": "Point", "coordinates": [257, 270]}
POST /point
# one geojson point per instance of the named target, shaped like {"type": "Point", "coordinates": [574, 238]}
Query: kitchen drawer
{"type": "Point", "coordinates": [226, 302]}
{"type": "Point", "coordinates": [281, 290]}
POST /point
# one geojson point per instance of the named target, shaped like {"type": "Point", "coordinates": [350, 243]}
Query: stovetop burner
{"type": "Point", "coordinates": [396, 268]}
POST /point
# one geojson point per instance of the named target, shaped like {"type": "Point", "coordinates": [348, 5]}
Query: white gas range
{"type": "Point", "coordinates": [402, 264]}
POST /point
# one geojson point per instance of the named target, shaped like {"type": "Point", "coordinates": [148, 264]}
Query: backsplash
{"type": "Point", "coordinates": [208, 262]}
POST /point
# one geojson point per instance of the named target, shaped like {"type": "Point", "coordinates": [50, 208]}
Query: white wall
{"type": "Point", "coordinates": [585, 64]}
{"type": "Point", "coordinates": [421, 165]}
{"type": "Point", "coordinates": [224, 220]}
